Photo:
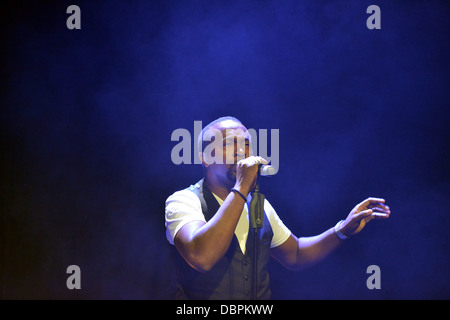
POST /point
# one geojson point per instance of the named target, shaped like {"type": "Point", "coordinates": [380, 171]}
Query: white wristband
{"type": "Point", "coordinates": [337, 231]}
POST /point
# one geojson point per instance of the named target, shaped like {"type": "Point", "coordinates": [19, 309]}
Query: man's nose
{"type": "Point", "coordinates": [240, 152]}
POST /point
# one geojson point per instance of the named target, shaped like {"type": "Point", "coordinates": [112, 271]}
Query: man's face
{"type": "Point", "coordinates": [232, 143]}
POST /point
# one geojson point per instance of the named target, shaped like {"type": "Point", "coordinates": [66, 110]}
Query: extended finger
{"type": "Point", "coordinates": [379, 215]}
{"type": "Point", "coordinates": [261, 160]}
{"type": "Point", "coordinates": [363, 214]}
{"type": "Point", "coordinates": [371, 201]}
{"type": "Point", "coordinates": [375, 213]}
{"type": "Point", "coordinates": [379, 205]}
{"type": "Point", "coordinates": [380, 209]}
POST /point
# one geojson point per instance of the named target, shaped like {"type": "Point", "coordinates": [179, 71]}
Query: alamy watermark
{"type": "Point", "coordinates": [374, 20]}
{"type": "Point", "coordinates": [74, 20]}
{"type": "Point", "coordinates": [74, 280]}
{"type": "Point", "coordinates": [187, 150]}
{"type": "Point", "coordinates": [374, 280]}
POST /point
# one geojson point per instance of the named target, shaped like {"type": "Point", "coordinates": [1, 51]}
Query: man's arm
{"type": "Point", "coordinates": [202, 244]}
{"type": "Point", "coordinates": [299, 253]}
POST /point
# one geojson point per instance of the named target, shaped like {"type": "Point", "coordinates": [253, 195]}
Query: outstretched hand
{"type": "Point", "coordinates": [363, 213]}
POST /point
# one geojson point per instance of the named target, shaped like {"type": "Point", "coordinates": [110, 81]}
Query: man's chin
{"type": "Point", "coordinates": [231, 175]}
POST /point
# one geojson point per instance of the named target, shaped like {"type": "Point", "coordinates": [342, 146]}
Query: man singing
{"type": "Point", "coordinates": [208, 223]}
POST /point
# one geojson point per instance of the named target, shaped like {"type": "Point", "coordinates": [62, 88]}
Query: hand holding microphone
{"type": "Point", "coordinates": [247, 171]}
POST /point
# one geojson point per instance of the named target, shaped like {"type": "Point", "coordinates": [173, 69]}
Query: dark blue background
{"type": "Point", "coordinates": [87, 117]}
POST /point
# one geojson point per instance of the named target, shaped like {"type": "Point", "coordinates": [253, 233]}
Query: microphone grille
{"type": "Point", "coordinates": [267, 170]}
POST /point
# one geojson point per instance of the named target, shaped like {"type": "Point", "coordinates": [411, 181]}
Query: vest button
{"type": "Point", "coordinates": [246, 277]}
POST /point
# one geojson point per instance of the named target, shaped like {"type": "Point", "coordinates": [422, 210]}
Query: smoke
{"type": "Point", "coordinates": [88, 116]}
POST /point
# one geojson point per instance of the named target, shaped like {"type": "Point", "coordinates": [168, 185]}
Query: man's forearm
{"type": "Point", "coordinates": [313, 249]}
{"type": "Point", "coordinates": [210, 242]}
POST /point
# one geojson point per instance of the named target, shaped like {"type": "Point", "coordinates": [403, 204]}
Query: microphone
{"type": "Point", "coordinates": [266, 170]}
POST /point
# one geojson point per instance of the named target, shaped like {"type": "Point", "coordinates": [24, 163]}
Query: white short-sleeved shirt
{"type": "Point", "coordinates": [184, 206]}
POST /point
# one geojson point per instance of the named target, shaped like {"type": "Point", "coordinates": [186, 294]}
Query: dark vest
{"type": "Point", "coordinates": [231, 276]}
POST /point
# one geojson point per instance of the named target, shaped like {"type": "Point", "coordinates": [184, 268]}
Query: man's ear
{"type": "Point", "coordinates": [201, 157]}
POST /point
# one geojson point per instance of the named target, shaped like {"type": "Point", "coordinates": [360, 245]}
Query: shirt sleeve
{"type": "Point", "coordinates": [182, 207]}
{"type": "Point", "coordinates": [280, 232]}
